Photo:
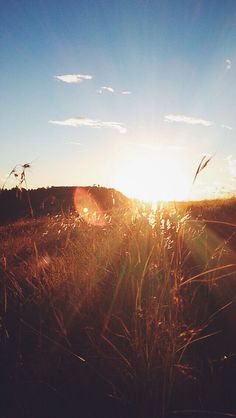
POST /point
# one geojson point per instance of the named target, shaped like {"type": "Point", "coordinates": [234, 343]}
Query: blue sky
{"type": "Point", "coordinates": [136, 79]}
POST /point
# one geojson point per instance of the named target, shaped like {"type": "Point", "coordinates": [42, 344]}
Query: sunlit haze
{"type": "Point", "coordinates": [125, 94]}
{"type": "Point", "coordinates": [152, 177]}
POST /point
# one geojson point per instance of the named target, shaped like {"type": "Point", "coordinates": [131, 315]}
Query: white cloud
{"type": "Point", "coordinates": [106, 88]}
{"type": "Point", "coordinates": [73, 78]}
{"type": "Point", "coordinates": [228, 64]}
{"type": "Point", "coordinates": [227, 127]}
{"type": "Point", "coordinates": [187, 119]}
{"type": "Point", "coordinates": [110, 89]}
{"type": "Point", "coordinates": [93, 123]}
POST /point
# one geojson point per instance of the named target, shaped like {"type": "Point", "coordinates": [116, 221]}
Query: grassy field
{"type": "Point", "coordinates": [131, 316]}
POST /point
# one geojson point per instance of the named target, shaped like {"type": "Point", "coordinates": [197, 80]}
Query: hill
{"type": "Point", "coordinates": [16, 204]}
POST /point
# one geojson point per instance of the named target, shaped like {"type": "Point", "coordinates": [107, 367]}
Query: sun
{"type": "Point", "coordinates": [152, 177]}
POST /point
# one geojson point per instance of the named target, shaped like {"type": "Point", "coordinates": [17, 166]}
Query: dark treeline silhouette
{"type": "Point", "coordinates": [16, 204]}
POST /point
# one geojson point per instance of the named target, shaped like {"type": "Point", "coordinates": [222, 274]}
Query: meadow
{"type": "Point", "coordinates": [130, 313]}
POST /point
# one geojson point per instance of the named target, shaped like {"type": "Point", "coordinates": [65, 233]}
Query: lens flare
{"type": "Point", "coordinates": [88, 208]}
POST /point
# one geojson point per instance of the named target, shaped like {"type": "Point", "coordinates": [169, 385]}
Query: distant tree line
{"type": "Point", "coordinates": [14, 203]}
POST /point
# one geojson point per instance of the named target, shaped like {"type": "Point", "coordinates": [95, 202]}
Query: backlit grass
{"type": "Point", "coordinates": [130, 317]}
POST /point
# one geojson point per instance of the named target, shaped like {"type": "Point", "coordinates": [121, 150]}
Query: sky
{"type": "Point", "coordinates": [122, 93]}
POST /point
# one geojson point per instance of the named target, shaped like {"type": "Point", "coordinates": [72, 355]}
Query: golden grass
{"type": "Point", "coordinates": [131, 299]}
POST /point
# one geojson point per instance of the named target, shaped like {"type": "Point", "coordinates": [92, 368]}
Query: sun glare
{"type": "Point", "coordinates": [87, 206]}
{"type": "Point", "coordinates": [153, 178]}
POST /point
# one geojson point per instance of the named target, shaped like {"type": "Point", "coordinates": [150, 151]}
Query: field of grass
{"type": "Point", "coordinates": [132, 317]}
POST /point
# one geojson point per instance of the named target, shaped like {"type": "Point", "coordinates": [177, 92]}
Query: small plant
{"type": "Point", "coordinates": [19, 174]}
{"type": "Point", "coordinates": [203, 163]}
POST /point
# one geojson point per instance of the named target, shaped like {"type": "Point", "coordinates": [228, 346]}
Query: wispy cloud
{"type": "Point", "coordinates": [227, 127]}
{"type": "Point", "coordinates": [228, 64]}
{"type": "Point", "coordinates": [106, 88]}
{"type": "Point", "coordinates": [110, 89]}
{"type": "Point", "coordinates": [73, 78]}
{"type": "Point", "coordinates": [190, 120]}
{"type": "Point", "coordinates": [93, 123]}
{"type": "Point", "coordinates": [187, 119]}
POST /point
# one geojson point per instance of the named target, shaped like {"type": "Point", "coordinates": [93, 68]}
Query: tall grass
{"type": "Point", "coordinates": [132, 302]}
